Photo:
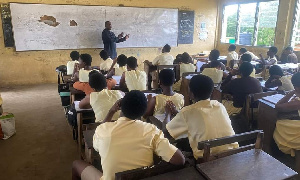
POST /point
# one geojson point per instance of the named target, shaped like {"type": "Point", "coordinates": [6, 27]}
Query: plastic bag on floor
{"type": "Point", "coordinates": [7, 125]}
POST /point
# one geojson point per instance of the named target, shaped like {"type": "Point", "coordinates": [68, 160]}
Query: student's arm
{"type": "Point", "coordinates": [273, 82]}
{"type": "Point", "coordinates": [116, 107]}
{"type": "Point", "coordinates": [123, 85]}
{"type": "Point", "coordinates": [285, 106]}
{"type": "Point", "coordinates": [85, 103]}
{"type": "Point", "coordinates": [150, 106]}
{"type": "Point", "coordinates": [110, 73]}
{"type": "Point", "coordinates": [75, 75]}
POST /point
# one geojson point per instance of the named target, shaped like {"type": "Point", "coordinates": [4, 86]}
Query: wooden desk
{"type": "Point", "coordinates": [249, 165]}
{"type": "Point", "coordinates": [267, 118]}
{"type": "Point", "coordinates": [189, 173]}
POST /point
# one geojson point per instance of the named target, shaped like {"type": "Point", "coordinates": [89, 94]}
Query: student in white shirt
{"type": "Point", "coordinates": [74, 55]}
{"type": "Point", "coordinates": [107, 62]}
{"type": "Point", "coordinates": [272, 60]}
{"type": "Point", "coordinates": [204, 120]}
{"type": "Point", "coordinates": [118, 71]}
{"type": "Point", "coordinates": [244, 51]}
{"type": "Point", "coordinates": [214, 72]}
{"type": "Point", "coordinates": [278, 79]}
{"type": "Point", "coordinates": [165, 58]}
{"type": "Point", "coordinates": [232, 56]}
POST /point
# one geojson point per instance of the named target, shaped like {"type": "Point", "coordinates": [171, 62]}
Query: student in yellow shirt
{"type": "Point", "coordinates": [205, 119]}
{"type": "Point", "coordinates": [107, 62]}
{"type": "Point", "coordinates": [287, 131]}
{"type": "Point", "coordinates": [74, 55]}
{"type": "Point", "coordinates": [232, 56]}
{"type": "Point", "coordinates": [278, 79]}
{"type": "Point", "coordinates": [127, 143]}
{"type": "Point", "coordinates": [214, 72]}
{"type": "Point", "coordinates": [156, 105]}
{"type": "Point", "coordinates": [133, 79]}
{"type": "Point", "coordinates": [102, 99]}
{"type": "Point", "coordinates": [118, 71]}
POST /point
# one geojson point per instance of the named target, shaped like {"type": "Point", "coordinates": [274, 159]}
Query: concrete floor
{"type": "Point", "coordinates": [43, 147]}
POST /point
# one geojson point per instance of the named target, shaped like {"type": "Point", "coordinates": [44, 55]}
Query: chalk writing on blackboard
{"type": "Point", "coordinates": [186, 27]}
{"type": "Point", "coordinates": [7, 26]}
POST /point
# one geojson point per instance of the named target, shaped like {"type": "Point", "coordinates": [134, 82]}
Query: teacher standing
{"type": "Point", "coordinates": [109, 40]}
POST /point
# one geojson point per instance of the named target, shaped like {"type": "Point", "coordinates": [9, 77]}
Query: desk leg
{"type": "Point", "coordinates": [79, 129]}
{"type": "Point", "coordinates": [298, 162]}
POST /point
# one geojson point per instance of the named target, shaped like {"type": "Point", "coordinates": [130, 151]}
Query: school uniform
{"type": "Point", "coordinates": [161, 100]}
{"type": "Point", "coordinates": [253, 57]}
{"type": "Point", "coordinates": [204, 120]}
{"type": "Point", "coordinates": [183, 69]}
{"type": "Point", "coordinates": [120, 70]}
{"type": "Point", "coordinates": [136, 80]}
{"type": "Point", "coordinates": [70, 67]}
{"type": "Point", "coordinates": [84, 75]}
{"type": "Point", "coordinates": [286, 83]}
{"type": "Point", "coordinates": [163, 59]}
{"type": "Point", "coordinates": [106, 65]}
{"type": "Point", "coordinates": [102, 101]}
{"type": "Point", "coordinates": [128, 144]}
{"type": "Point", "coordinates": [215, 74]}
{"type": "Point", "coordinates": [232, 55]}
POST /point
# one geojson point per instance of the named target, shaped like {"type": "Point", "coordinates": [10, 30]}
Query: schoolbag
{"type": "Point", "coordinates": [72, 120]}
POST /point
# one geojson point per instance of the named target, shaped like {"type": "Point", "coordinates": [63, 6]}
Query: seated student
{"type": "Point", "coordinates": [239, 88]}
{"type": "Point", "coordinates": [278, 79]}
{"type": "Point", "coordinates": [1, 102]}
{"type": "Point", "coordinates": [271, 56]}
{"type": "Point", "coordinates": [127, 143]}
{"type": "Point", "coordinates": [74, 55]}
{"type": "Point", "coordinates": [214, 72]}
{"type": "Point", "coordinates": [81, 75]}
{"type": "Point", "coordinates": [178, 59]}
{"type": "Point", "coordinates": [204, 120]}
{"type": "Point", "coordinates": [102, 99]}
{"type": "Point", "coordinates": [186, 65]}
{"type": "Point", "coordinates": [165, 58]}
{"type": "Point", "coordinates": [247, 58]}
{"type": "Point", "coordinates": [107, 62]}
{"type": "Point", "coordinates": [118, 71]}
{"type": "Point", "coordinates": [287, 132]}
{"type": "Point", "coordinates": [288, 56]}
{"type": "Point", "coordinates": [213, 56]}
{"type": "Point", "coordinates": [156, 105]}
{"type": "Point", "coordinates": [244, 51]}
{"type": "Point", "coordinates": [232, 56]}
{"type": "Point", "coordinates": [133, 79]}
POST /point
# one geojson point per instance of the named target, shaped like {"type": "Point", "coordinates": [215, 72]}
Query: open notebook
{"type": "Point", "coordinates": [274, 98]}
{"type": "Point", "coordinates": [76, 103]}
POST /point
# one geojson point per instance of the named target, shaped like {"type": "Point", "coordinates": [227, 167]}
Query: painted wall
{"type": "Point", "coordinates": [34, 67]}
{"type": "Point", "coordinates": [283, 29]}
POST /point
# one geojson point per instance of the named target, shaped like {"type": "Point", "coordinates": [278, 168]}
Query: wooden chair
{"type": "Point", "coordinates": [297, 159]}
{"type": "Point", "coordinates": [145, 172]}
{"type": "Point", "coordinates": [207, 145]}
{"type": "Point", "coordinates": [148, 68]}
{"type": "Point", "coordinates": [176, 69]}
{"type": "Point", "coordinates": [184, 87]}
{"type": "Point", "coordinates": [252, 103]}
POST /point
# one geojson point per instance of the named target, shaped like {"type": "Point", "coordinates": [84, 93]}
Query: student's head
{"type": "Point", "coordinates": [296, 83]}
{"type": "Point", "coordinates": [246, 58]}
{"type": "Point", "coordinates": [242, 51]}
{"type": "Point", "coordinates": [166, 48]}
{"type": "Point", "coordinates": [85, 60]}
{"type": "Point", "coordinates": [103, 54]}
{"type": "Point", "coordinates": [122, 60]}
{"type": "Point", "coordinates": [74, 55]}
{"type": "Point", "coordinates": [201, 87]}
{"type": "Point", "coordinates": [214, 55]}
{"type": "Point", "coordinates": [232, 47]}
{"type": "Point", "coordinates": [97, 81]}
{"type": "Point", "coordinates": [131, 63]}
{"type": "Point", "coordinates": [272, 51]}
{"type": "Point", "coordinates": [289, 50]}
{"type": "Point", "coordinates": [246, 69]}
{"type": "Point", "coordinates": [185, 58]}
{"type": "Point", "coordinates": [275, 71]}
{"type": "Point", "coordinates": [215, 64]}
{"type": "Point", "coordinates": [166, 77]}
{"type": "Point", "coordinates": [178, 59]}
{"type": "Point", "coordinates": [108, 25]}
{"type": "Point", "coordinates": [134, 104]}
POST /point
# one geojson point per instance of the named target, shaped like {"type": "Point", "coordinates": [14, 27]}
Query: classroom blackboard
{"type": "Point", "coordinates": [185, 27]}
{"type": "Point", "coordinates": [7, 26]}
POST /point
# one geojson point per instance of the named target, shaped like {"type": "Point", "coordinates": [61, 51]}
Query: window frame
{"type": "Point", "coordinates": [296, 19]}
{"type": "Point", "coordinates": [256, 23]}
